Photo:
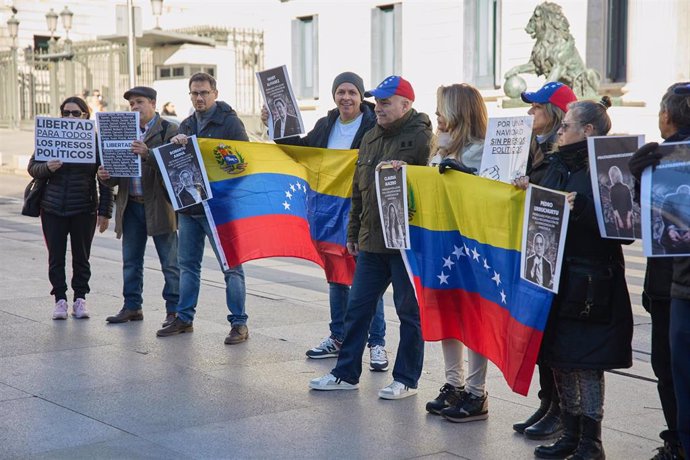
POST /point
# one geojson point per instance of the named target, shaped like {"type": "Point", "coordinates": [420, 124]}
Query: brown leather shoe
{"type": "Point", "coordinates": [238, 334]}
{"type": "Point", "coordinates": [176, 327]}
{"type": "Point", "coordinates": [125, 315]}
{"type": "Point", "coordinates": [169, 318]}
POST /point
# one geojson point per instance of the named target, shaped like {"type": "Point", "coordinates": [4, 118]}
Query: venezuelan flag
{"type": "Point", "coordinates": [465, 265]}
{"type": "Point", "coordinates": [281, 201]}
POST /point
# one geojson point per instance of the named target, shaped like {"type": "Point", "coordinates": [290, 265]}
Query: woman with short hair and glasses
{"type": "Point", "coordinates": [72, 205]}
{"type": "Point", "coordinates": [593, 299]}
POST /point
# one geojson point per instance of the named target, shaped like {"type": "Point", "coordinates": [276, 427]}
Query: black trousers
{"type": "Point", "coordinates": [80, 229]}
{"type": "Point", "coordinates": [661, 363]}
{"type": "Point", "coordinates": [547, 386]}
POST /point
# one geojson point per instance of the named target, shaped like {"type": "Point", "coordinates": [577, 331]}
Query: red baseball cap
{"type": "Point", "coordinates": [392, 86]}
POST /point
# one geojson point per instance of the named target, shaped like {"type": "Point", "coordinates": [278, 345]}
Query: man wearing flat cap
{"type": "Point", "coordinates": [143, 210]}
{"type": "Point", "coordinates": [401, 135]}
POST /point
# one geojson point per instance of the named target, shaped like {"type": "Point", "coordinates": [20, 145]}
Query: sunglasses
{"type": "Point", "coordinates": [203, 94]}
{"type": "Point", "coordinates": [74, 113]}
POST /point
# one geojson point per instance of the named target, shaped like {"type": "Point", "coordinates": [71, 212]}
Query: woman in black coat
{"type": "Point", "coordinates": [590, 327]}
{"type": "Point", "coordinates": [72, 206]}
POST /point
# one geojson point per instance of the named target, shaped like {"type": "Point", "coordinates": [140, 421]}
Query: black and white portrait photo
{"type": "Point", "coordinates": [618, 216]}
{"type": "Point", "coordinates": [539, 269]}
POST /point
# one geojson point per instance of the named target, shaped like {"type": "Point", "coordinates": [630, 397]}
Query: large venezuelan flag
{"type": "Point", "coordinates": [281, 201]}
{"type": "Point", "coordinates": [465, 264]}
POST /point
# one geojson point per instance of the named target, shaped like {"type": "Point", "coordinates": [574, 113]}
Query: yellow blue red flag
{"type": "Point", "coordinates": [281, 201]}
{"type": "Point", "coordinates": [465, 264]}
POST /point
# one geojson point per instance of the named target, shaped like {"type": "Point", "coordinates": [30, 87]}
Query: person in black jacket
{"type": "Point", "coordinates": [593, 299]}
{"type": "Point", "coordinates": [71, 206]}
{"type": "Point", "coordinates": [674, 126]}
{"type": "Point", "coordinates": [549, 106]}
{"type": "Point", "coordinates": [211, 119]}
{"type": "Point", "coordinates": [343, 128]}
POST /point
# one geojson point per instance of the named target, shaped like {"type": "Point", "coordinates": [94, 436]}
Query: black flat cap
{"type": "Point", "coordinates": [141, 91]}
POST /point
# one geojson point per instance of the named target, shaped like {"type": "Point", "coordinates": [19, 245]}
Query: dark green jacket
{"type": "Point", "coordinates": [407, 140]}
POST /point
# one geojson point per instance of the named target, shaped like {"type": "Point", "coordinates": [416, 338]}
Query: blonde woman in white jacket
{"type": "Point", "coordinates": [462, 119]}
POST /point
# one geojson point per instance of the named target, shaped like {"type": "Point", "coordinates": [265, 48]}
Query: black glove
{"type": "Point", "coordinates": [450, 163]}
{"type": "Point", "coordinates": [644, 157]}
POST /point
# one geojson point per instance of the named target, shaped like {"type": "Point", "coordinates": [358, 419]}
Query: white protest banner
{"type": "Point", "coordinates": [116, 132]}
{"type": "Point", "coordinates": [70, 140]}
{"type": "Point", "coordinates": [506, 148]}
{"type": "Point", "coordinates": [183, 173]}
{"type": "Point", "coordinates": [391, 192]}
{"type": "Point", "coordinates": [545, 225]}
{"type": "Point", "coordinates": [284, 117]}
{"type": "Point", "coordinates": [613, 184]}
{"type": "Point", "coordinates": [665, 200]}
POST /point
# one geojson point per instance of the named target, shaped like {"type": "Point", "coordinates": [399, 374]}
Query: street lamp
{"type": "Point", "coordinates": [66, 16]}
{"type": "Point", "coordinates": [51, 20]}
{"type": "Point", "coordinates": [13, 30]}
{"type": "Point", "coordinates": [157, 7]}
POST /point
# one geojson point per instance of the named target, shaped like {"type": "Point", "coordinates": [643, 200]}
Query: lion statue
{"type": "Point", "coordinates": [554, 54]}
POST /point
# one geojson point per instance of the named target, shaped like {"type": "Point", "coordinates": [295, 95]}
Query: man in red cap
{"type": "Point", "coordinates": [402, 134]}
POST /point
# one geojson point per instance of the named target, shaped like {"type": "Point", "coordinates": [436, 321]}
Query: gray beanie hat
{"type": "Point", "coordinates": [348, 77]}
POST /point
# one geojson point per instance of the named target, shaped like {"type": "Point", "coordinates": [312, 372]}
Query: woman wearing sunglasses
{"type": "Point", "coordinates": [590, 327]}
{"type": "Point", "coordinates": [71, 206]}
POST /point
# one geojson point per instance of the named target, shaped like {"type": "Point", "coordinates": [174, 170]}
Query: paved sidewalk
{"type": "Point", "coordinates": [86, 389]}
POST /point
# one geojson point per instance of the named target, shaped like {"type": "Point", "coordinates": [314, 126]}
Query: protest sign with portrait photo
{"type": "Point", "coordinates": [506, 148]}
{"type": "Point", "coordinates": [391, 191]}
{"type": "Point", "coordinates": [70, 140]}
{"type": "Point", "coordinates": [116, 132]}
{"type": "Point", "coordinates": [613, 185]}
{"type": "Point", "coordinates": [665, 199]}
{"type": "Point", "coordinates": [284, 117]}
{"type": "Point", "coordinates": [184, 173]}
{"type": "Point", "coordinates": [544, 228]}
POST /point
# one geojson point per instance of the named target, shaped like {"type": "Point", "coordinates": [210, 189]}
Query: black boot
{"type": "Point", "coordinates": [534, 418]}
{"type": "Point", "coordinates": [590, 447]}
{"type": "Point", "coordinates": [567, 443]}
{"type": "Point", "coordinates": [549, 426]}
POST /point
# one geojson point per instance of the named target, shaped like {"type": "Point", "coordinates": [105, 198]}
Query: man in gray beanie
{"type": "Point", "coordinates": [343, 128]}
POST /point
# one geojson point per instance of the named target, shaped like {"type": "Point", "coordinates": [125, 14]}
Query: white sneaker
{"type": "Point", "coordinates": [330, 382]}
{"type": "Point", "coordinates": [60, 311]}
{"type": "Point", "coordinates": [378, 359]}
{"type": "Point", "coordinates": [79, 310]}
{"type": "Point", "coordinates": [396, 390]}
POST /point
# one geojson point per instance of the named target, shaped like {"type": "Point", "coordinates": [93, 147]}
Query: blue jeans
{"type": "Point", "coordinates": [679, 334]}
{"type": "Point", "coordinates": [193, 233]}
{"type": "Point", "coordinates": [134, 237]}
{"type": "Point", "coordinates": [338, 294]}
{"type": "Point", "coordinates": [373, 273]}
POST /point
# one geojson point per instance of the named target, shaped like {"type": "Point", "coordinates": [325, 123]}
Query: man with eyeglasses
{"type": "Point", "coordinates": [211, 119]}
{"type": "Point", "coordinates": [143, 209]}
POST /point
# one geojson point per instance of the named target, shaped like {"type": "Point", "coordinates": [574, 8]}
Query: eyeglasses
{"type": "Point", "coordinates": [74, 113]}
{"type": "Point", "coordinates": [203, 94]}
{"type": "Point", "coordinates": [565, 126]}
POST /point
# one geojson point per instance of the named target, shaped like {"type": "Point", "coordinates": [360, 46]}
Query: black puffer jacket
{"type": "Point", "coordinates": [71, 189]}
{"type": "Point", "coordinates": [224, 124]}
{"type": "Point", "coordinates": [318, 137]}
{"type": "Point", "coordinates": [593, 272]}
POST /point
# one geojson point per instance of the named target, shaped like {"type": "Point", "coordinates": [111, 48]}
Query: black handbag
{"type": "Point", "coordinates": [33, 194]}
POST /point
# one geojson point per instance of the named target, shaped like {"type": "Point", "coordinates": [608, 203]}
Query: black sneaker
{"type": "Point", "coordinates": [469, 409]}
{"type": "Point", "coordinates": [448, 396]}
